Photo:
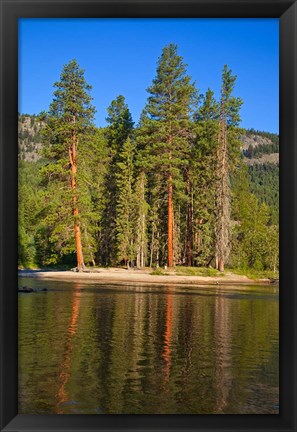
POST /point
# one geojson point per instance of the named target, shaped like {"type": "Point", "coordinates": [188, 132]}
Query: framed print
{"type": "Point", "coordinates": [148, 215]}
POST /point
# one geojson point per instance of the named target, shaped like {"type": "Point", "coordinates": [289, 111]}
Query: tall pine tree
{"type": "Point", "coordinates": [202, 169]}
{"type": "Point", "coordinates": [228, 120]}
{"type": "Point", "coordinates": [124, 205]}
{"type": "Point", "coordinates": [120, 127]}
{"type": "Point", "coordinates": [165, 129]}
{"type": "Point", "coordinates": [69, 120]}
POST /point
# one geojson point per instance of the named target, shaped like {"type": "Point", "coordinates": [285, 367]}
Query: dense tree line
{"type": "Point", "coordinates": [168, 191]}
{"type": "Point", "coordinates": [274, 138]}
{"type": "Point", "coordinates": [261, 149]}
{"type": "Point", "coordinates": [264, 184]}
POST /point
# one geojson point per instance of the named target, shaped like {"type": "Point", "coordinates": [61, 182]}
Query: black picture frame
{"type": "Point", "coordinates": [286, 11]}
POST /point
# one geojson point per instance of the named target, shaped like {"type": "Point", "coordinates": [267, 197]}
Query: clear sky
{"type": "Point", "coordinates": [120, 55]}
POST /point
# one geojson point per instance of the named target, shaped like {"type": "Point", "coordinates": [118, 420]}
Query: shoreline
{"type": "Point", "coordinates": [117, 275]}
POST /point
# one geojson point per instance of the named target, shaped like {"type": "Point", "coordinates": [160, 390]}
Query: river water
{"type": "Point", "coordinates": [139, 349]}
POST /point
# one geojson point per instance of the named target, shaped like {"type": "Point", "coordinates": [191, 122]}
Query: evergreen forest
{"type": "Point", "coordinates": [175, 189]}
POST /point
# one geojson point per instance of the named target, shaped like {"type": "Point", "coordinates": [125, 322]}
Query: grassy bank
{"type": "Point", "coordinates": [198, 271]}
{"type": "Point", "coordinates": [211, 272]}
{"type": "Point", "coordinates": [204, 272]}
{"type": "Point", "coordinates": [257, 274]}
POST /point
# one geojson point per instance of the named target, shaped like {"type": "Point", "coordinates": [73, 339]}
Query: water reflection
{"type": "Point", "coordinates": [167, 336]}
{"type": "Point", "coordinates": [62, 395]}
{"type": "Point", "coordinates": [131, 349]}
{"type": "Point", "coordinates": [223, 372]}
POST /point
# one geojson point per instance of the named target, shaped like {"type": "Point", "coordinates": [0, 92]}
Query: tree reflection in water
{"type": "Point", "coordinates": [148, 350]}
{"type": "Point", "coordinates": [65, 369]}
{"type": "Point", "coordinates": [167, 337]}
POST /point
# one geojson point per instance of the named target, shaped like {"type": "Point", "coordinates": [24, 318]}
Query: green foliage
{"type": "Point", "coordinates": [257, 274]}
{"type": "Point", "coordinates": [30, 200]}
{"type": "Point", "coordinates": [140, 213]}
{"type": "Point", "coordinates": [255, 241]}
{"type": "Point", "coordinates": [194, 271]}
{"type": "Point", "coordinates": [68, 126]}
{"type": "Point", "coordinates": [230, 105]}
{"type": "Point", "coordinates": [264, 184]}
{"type": "Point", "coordinates": [203, 184]}
{"type": "Point", "coordinates": [124, 204]}
{"type": "Point", "coordinates": [93, 160]}
{"type": "Point", "coordinates": [226, 157]}
{"type": "Point", "coordinates": [123, 175]}
{"type": "Point", "coordinates": [166, 119]}
{"type": "Point", "coordinates": [120, 123]}
{"type": "Point", "coordinates": [163, 140]}
{"type": "Point", "coordinates": [159, 272]}
{"type": "Point", "coordinates": [120, 128]}
{"type": "Point", "coordinates": [71, 110]}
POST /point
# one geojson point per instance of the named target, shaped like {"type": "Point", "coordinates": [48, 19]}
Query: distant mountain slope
{"type": "Point", "coordinates": [260, 151]}
{"type": "Point", "coordinates": [258, 147]}
{"type": "Point", "coordinates": [29, 137]}
{"type": "Point", "coordinates": [264, 159]}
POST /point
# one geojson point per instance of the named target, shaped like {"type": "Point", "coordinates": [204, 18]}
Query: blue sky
{"type": "Point", "coordinates": [120, 55]}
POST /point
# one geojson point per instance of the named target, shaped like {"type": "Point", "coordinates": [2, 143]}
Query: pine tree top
{"type": "Point", "coordinates": [71, 109]}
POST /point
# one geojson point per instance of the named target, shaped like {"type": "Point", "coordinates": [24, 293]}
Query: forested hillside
{"type": "Point", "coordinates": [184, 186]}
{"type": "Point", "coordinates": [264, 183]}
{"type": "Point", "coordinates": [29, 137]}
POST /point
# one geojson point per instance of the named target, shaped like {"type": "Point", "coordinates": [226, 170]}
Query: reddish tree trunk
{"type": "Point", "coordinates": [170, 258]}
{"type": "Point", "coordinates": [170, 223]}
{"type": "Point", "coordinates": [221, 266]}
{"type": "Point", "coordinates": [77, 234]}
{"type": "Point", "coordinates": [189, 225]}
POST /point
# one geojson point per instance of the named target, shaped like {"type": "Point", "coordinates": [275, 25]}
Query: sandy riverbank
{"type": "Point", "coordinates": [119, 275]}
